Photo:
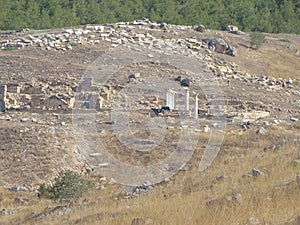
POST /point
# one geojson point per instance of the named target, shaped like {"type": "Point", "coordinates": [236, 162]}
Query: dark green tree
{"type": "Point", "coordinates": [67, 185]}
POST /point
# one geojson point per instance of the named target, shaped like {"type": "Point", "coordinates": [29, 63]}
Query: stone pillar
{"type": "Point", "coordinates": [167, 98]}
{"type": "Point", "coordinates": [100, 102]}
{"type": "Point", "coordinates": [2, 106]}
{"type": "Point", "coordinates": [86, 84]}
{"type": "Point", "coordinates": [196, 106]}
{"type": "Point", "coordinates": [92, 101]}
{"type": "Point", "coordinates": [186, 101]}
{"type": "Point", "coordinates": [171, 99]}
{"type": "Point", "coordinates": [3, 90]}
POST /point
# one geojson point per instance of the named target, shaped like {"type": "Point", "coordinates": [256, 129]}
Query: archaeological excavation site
{"type": "Point", "coordinates": [165, 124]}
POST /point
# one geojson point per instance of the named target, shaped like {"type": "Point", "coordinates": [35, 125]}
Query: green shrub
{"type": "Point", "coordinates": [257, 39]}
{"type": "Point", "coordinates": [285, 40]}
{"type": "Point", "coordinates": [68, 185]}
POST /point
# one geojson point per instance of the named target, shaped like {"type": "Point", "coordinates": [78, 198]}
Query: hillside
{"type": "Point", "coordinates": [69, 89]}
{"type": "Point", "coordinates": [273, 16]}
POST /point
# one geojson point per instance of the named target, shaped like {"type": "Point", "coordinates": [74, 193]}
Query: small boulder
{"type": "Point", "coordinates": [253, 221]}
{"type": "Point", "coordinates": [232, 28]}
{"type": "Point", "coordinates": [256, 172]}
{"type": "Point", "coordinates": [219, 45]}
{"type": "Point", "coordinates": [221, 177]}
{"type": "Point", "coordinates": [17, 188]}
{"type": "Point", "coordinates": [261, 131]}
{"type": "Point", "coordinates": [163, 26]}
{"type": "Point", "coordinates": [141, 221]}
{"type": "Point", "coordinates": [200, 28]}
{"type": "Point", "coordinates": [134, 76]}
{"type": "Point", "coordinates": [293, 119]}
{"type": "Point", "coordinates": [185, 82]}
{"type": "Point", "coordinates": [232, 51]}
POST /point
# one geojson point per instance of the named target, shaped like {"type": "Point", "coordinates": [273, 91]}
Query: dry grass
{"type": "Point", "coordinates": [275, 58]}
{"type": "Point", "coordinates": [183, 201]}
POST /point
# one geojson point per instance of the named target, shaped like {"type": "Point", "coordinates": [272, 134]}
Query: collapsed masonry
{"type": "Point", "coordinates": [88, 95]}
{"type": "Point", "coordinates": [28, 95]}
{"type": "Point", "coordinates": [93, 97]}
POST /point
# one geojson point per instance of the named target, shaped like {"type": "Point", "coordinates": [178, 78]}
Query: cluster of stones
{"type": "Point", "coordinates": [46, 94]}
{"type": "Point", "coordinates": [139, 32]}
{"type": "Point", "coordinates": [116, 34]}
{"type": "Point", "coordinates": [229, 70]}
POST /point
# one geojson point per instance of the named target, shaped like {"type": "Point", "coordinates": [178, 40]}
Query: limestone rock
{"type": "Point", "coordinates": [200, 28]}
{"type": "Point", "coordinates": [6, 212]}
{"type": "Point", "coordinates": [256, 172]}
{"type": "Point", "coordinates": [232, 28]}
{"type": "Point", "coordinates": [141, 221]}
{"type": "Point", "coordinates": [219, 45]}
{"type": "Point", "coordinates": [253, 221]}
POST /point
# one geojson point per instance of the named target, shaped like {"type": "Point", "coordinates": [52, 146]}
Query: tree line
{"type": "Point", "coordinates": [273, 16]}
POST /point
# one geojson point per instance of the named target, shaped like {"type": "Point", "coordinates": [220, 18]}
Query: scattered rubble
{"type": "Point", "coordinates": [261, 131]}
{"type": "Point", "coordinates": [141, 221]}
{"type": "Point", "coordinates": [135, 191]}
{"type": "Point", "coordinates": [253, 221]}
{"type": "Point", "coordinates": [256, 172]}
{"type": "Point", "coordinates": [44, 95]}
{"type": "Point", "coordinates": [7, 212]}
{"type": "Point", "coordinates": [232, 199]}
{"type": "Point", "coordinates": [57, 211]}
{"type": "Point", "coordinates": [17, 188]}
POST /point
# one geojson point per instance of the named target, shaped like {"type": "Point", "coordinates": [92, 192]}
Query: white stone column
{"type": "Point", "coordinates": [196, 106]}
{"type": "Point", "coordinates": [167, 103]}
{"type": "Point", "coordinates": [3, 90]}
{"type": "Point", "coordinates": [100, 102]}
{"type": "Point", "coordinates": [170, 99]}
{"type": "Point", "coordinates": [187, 100]}
{"type": "Point", "coordinates": [173, 100]}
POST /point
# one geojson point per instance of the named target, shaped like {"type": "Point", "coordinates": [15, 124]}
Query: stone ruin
{"type": "Point", "coordinates": [3, 91]}
{"type": "Point", "coordinates": [90, 96]}
{"type": "Point", "coordinates": [29, 95]}
{"type": "Point", "coordinates": [171, 103]}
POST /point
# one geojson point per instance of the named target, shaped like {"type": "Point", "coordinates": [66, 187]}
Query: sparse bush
{"type": "Point", "coordinates": [257, 39]}
{"type": "Point", "coordinates": [9, 48]}
{"type": "Point", "coordinates": [19, 78]}
{"type": "Point", "coordinates": [67, 185]}
{"type": "Point", "coordinates": [285, 40]}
